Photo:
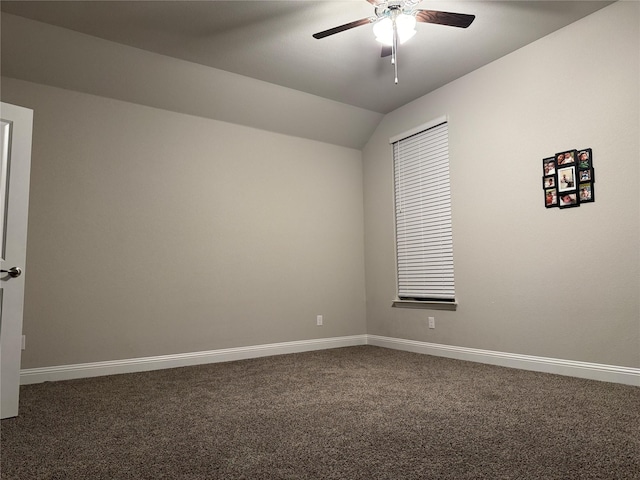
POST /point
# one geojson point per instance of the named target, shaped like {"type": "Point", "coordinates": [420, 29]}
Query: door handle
{"type": "Point", "coordinates": [13, 272]}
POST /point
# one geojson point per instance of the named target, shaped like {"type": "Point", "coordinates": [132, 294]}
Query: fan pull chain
{"type": "Point", "coordinates": [394, 51]}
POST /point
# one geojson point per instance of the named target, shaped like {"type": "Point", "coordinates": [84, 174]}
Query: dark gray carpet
{"type": "Point", "coordinates": [350, 413]}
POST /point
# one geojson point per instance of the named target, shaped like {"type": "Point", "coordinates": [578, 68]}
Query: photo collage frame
{"type": "Point", "coordinates": [568, 179]}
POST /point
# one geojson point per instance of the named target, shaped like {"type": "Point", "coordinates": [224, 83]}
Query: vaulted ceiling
{"type": "Point", "coordinates": [272, 40]}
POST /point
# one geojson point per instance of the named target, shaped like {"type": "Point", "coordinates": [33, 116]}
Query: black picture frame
{"type": "Point", "coordinates": [566, 158]}
{"type": "Point", "coordinates": [549, 181]}
{"type": "Point", "coordinates": [573, 200]}
{"type": "Point", "coordinates": [586, 176]}
{"type": "Point", "coordinates": [566, 179]}
{"type": "Point", "coordinates": [550, 197]}
{"type": "Point", "coordinates": [584, 159]}
{"type": "Point", "coordinates": [548, 166]}
{"type": "Point", "coordinates": [586, 192]}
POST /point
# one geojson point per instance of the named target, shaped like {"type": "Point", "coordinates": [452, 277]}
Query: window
{"type": "Point", "coordinates": [424, 241]}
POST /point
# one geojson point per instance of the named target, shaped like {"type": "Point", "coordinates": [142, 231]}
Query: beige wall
{"type": "Point", "coordinates": [554, 283]}
{"type": "Point", "coordinates": [153, 233]}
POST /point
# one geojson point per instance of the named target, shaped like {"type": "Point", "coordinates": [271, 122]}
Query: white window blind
{"type": "Point", "coordinates": [424, 240]}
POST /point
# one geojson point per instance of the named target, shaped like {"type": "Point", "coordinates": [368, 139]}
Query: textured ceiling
{"type": "Point", "coordinates": [271, 40]}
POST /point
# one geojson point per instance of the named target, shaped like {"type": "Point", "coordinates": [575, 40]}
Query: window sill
{"type": "Point", "coordinates": [432, 305]}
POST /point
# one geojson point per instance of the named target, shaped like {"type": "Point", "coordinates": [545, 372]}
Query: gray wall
{"type": "Point", "coordinates": [152, 233]}
{"type": "Point", "coordinates": [554, 283]}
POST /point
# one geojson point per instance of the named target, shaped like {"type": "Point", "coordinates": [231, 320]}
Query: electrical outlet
{"type": "Point", "coordinates": [319, 320]}
{"type": "Point", "coordinates": [432, 322]}
{"type": "Point", "coordinates": [24, 342]}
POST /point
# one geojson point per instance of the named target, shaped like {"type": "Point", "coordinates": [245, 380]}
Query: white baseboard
{"type": "Point", "coordinates": [592, 371]}
{"type": "Point", "coordinates": [97, 369]}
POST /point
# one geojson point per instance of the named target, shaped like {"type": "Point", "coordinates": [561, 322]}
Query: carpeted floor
{"type": "Point", "coordinates": [357, 413]}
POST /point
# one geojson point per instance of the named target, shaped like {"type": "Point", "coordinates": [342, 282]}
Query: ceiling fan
{"type": "Point", "coordinates": [394, 22]}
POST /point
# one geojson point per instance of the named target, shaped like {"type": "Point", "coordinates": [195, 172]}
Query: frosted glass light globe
{"type": "Point", "coordinates": [405, 24]}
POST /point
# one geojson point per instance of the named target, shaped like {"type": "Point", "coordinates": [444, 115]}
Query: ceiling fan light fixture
{"type": "Point", "coordinates": [383, 30]}
{"type": "Point", "coordinates": [405, 25]}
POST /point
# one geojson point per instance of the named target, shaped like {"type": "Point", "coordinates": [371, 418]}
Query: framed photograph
{"type": "Point", "coordinates": [566, 179]}
{"type": "Point", "coordinates": [548, 166]}
{"type": "Point", "coordinates": [568, 200]}
{"type": "Point", "coordinates": [585, 176]}
{"type": "Point", "coordinates": [550, 198]}
{"type": "Point", "coordinates": [549, 182]}
{"type": "Point", "coordinates": [584, 158]}
{"type": "Point", "coordinates": [566, 158]}
{"type": "Point", "coordinates": [585, 191]}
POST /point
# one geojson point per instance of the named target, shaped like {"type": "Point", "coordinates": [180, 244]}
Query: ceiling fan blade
{"type": "Point", "coordinates": [386, 51]}
{"type": "Point", "coordinates": [342, 28]}
{"type": "Point", "coordinates": [445, 18]}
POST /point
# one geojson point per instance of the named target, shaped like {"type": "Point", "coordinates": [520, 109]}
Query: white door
{"type": "Point", "coordinates": [15, 129]}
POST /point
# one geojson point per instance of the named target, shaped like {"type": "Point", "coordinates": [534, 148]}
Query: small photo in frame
{"type": "Point", "coordinates": [585, 190]}
{"type": "Point", "coordinates": [566, 158]}
{"type": "Point", "coordinates": [550, 198]}
{"type": "Point", "coordinates": [584, 158]}
{"type": "Point", "coordinates": [586, 176]}
{"type": "Point", "coordinates": [549, 182]}
{"type": "Point", "coordinates": [566, 179]}
{"type": "Point", "coordinates": [549, 166]}
{"type": "Point", "coordinates": [568, 200]}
